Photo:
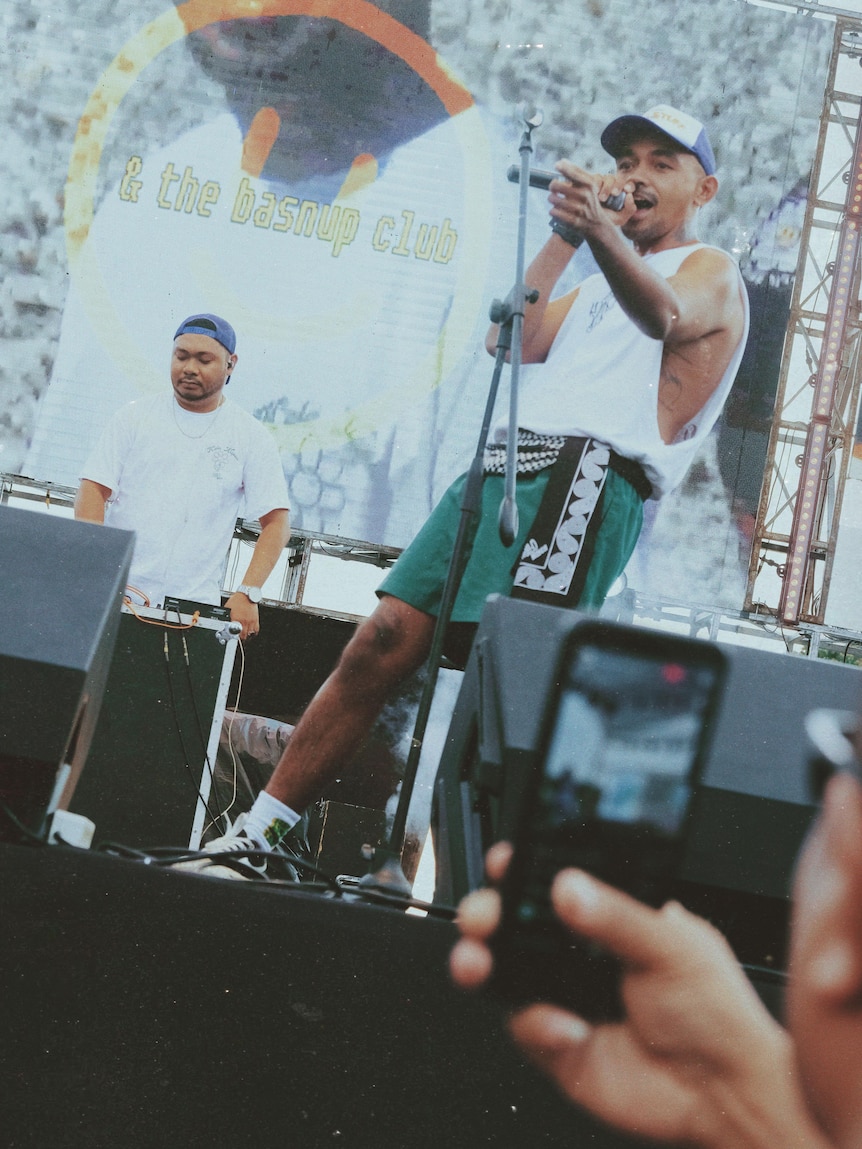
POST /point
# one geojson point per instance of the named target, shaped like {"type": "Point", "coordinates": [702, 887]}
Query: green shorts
{"type": "Point", "coordinates": [419, 575]}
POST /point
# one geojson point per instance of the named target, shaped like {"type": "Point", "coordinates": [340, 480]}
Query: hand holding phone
{"type": "Point", "coordinates": [623, 742]}
{"type": "Point", "coordinates": [689, 1006]}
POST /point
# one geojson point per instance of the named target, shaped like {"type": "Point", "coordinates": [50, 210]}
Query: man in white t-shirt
{"type": "Point", "coordinates": [179, 469]}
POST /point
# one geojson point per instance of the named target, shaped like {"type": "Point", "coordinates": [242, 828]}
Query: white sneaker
{"type": "Point", "coordinates": [233, 842]}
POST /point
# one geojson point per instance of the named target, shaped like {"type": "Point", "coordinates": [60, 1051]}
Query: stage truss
{"type": "Point", "coordinates": [812, 436]}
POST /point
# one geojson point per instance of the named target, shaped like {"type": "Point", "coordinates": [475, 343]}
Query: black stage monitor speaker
{"type": "Point", "coordinates": [753, 807]}
{"type": "Point", "coordinates": [62, 584]}
{"type": "Point", "coordinates": [149, 769]}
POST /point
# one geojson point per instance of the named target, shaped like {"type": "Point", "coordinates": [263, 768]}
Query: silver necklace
{"type": "Point", "coordinates": [209, 424]}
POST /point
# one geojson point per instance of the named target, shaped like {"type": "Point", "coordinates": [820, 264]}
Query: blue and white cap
{"type": "Point", "coordinates": [681, 127]}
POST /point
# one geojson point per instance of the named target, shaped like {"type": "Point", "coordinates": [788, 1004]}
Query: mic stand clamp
{"type": "Point", "coordinates": [502, 312]}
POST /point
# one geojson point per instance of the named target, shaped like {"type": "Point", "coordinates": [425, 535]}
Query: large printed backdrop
{"type": "Point", "coordinates": [337, 187]}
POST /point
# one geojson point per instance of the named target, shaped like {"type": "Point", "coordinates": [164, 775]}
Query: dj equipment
{"type": "Point", "coordinates": [752, 809]}
{"type": "Point", "coordinates": [62, 583]}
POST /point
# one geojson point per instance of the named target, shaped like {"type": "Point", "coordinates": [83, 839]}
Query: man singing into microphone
{"type": "Point", "coordinates": [631, 371]}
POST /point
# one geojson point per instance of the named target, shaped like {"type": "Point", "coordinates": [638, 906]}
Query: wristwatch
{"type": "Point", "coordinates": [252, 593]}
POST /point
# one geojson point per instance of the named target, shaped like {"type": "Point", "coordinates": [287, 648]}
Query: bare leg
{"type": "Point", "coordinates": [392, 643]}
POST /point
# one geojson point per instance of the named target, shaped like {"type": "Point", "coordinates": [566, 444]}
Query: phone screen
{"type": "Point", "coordinates": [623, 741]}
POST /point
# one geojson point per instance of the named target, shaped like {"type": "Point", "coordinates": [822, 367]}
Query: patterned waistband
{"type": "Point", "coordinates": [535, 453]}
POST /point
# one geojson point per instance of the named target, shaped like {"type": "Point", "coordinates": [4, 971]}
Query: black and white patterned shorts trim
{"type": "Point", "coordinates": [548, 565]}
{"type": "Point", "coordinates": [534, 453]}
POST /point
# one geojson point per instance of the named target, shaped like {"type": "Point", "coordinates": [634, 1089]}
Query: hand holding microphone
{"type": "Point", "coordinates": [539, 178]}
{"type": "Point", "coordinates": [542, 179]}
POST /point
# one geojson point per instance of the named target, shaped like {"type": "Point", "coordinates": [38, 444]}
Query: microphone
{"type": "Point", "coordinates": [542, 179]}
{"type": "Point", "coordinates": [531, 115]}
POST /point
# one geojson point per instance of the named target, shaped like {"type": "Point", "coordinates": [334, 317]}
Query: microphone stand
{"type": "Point", "coordinates": [385, 871]}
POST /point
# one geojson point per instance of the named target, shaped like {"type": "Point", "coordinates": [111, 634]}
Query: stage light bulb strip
{"type": "Point", "coordinates": [802, 531]}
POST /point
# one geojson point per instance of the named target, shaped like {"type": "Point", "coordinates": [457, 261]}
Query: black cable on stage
{"type": "Point", "coordinates": [402, 902]}
{"type": "Point", "coordinates": [123, 851]}
{"type": "Point", "coordinates": [29, 835]}
{"type": "Point", "coordinates": [201, 733]}
{"type": "Point", "coordinates": [178, 725]}
{"type": "Point", "coordinates": [163, 857]}
{"type": "Point", "coordinates": [166, 856]}
{"type": "Point", "coordinates": [221, 857]}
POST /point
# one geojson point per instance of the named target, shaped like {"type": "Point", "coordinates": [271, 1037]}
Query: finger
{"type": "Point", "coordinates": [608, 186]}
{"type": "Point", "coordinates": [470, 963]}
{"type": "Point", "coordinates": [497, 860]}
{"type": "Point", "coordinates": [545, 1032]}
{"type": "Point", "coordinates": [479, 914]}
{"type": "Point", "coordinates": [633, 931]}
{"type": "Point", "coordinates": [573, 173]}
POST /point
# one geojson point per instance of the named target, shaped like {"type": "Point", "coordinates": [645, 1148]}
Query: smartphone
{"type": "Point", "coordinates": [623, 742]}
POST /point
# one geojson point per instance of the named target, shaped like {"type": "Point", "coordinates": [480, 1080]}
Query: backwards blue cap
{"type": "Point", "coordinates": [212, 325]}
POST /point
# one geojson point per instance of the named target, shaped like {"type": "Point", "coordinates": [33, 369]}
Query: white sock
{"type": "Point", "coordinates": [269, 820]}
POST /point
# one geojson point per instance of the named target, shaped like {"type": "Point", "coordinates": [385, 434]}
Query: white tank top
{"type": "Point", "coordinates": [601, 379]}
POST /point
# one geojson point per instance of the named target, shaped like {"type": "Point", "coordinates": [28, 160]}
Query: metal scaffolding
{"type": "Point", "coordinates": [811, 441]}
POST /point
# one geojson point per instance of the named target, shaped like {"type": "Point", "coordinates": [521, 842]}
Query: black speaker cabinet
{"type": "Point", "coordinates": [148, 780]}
{"type": "Point", "coordinates": [62, 584]}
{"type": "Point", "coordinates": [753, 807]}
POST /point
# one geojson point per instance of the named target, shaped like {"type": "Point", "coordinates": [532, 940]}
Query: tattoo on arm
{"type": "Point", "coordinates": [669, 389]}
